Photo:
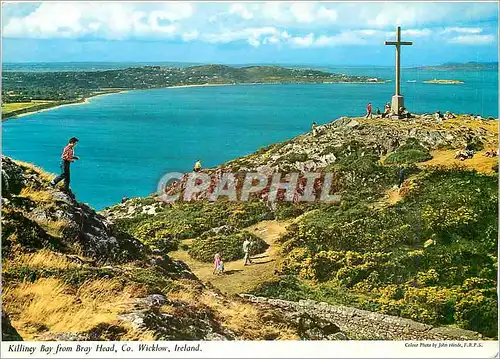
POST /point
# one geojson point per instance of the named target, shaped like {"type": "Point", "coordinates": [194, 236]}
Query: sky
{"type": "Point", "coordinates": [323, 33]}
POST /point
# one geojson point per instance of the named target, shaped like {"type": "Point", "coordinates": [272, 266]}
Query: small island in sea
{"type": "Point", "coordinates": [28, 92]}
{"type": "Point", "coordinates": [444, 82]}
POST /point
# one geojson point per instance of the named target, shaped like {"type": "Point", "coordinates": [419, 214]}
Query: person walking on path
{"type": "Point", "coordinates": [369, 110]}
{"type": "Point", "coordinates": [246, 249]}
{"type": "Point", "coordinates": [197, 166]}
{"type": "Point", "coordinates": [401, 176]}
{"type": "Point", "coordinates": [217, 263]}
{"type": "Point", "coordinates": [67, 157]}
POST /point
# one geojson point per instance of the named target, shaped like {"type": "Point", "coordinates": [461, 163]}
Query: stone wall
{"type": "Point", "coordinates": [365, 325]}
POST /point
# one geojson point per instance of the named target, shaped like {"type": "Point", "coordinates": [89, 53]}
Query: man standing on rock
{"type": "Point", "coordinates": [67, 157]}
{"type": "Point", "coordinates": [369, 111]}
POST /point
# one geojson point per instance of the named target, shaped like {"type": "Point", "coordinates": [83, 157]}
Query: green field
{"type": "Point", "coordinates": [16, 106]}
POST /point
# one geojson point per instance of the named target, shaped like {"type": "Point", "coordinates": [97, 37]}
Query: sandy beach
{"type": "Point", "coordinates": [200, 85]}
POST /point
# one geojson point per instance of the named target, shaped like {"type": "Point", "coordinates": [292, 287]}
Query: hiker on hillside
{"type": "Point", "coordinates": [217, 263]}
{"type": "Point", "coordinates": [401, 176]}
{"type": "Point", "coordinates": [67, 157]}
{"type": "Point", "coordinates": [314, 129]}
{"type": "Point", "coordinates": [197, 166]}
{"type": "Point", "coordinates": [246, 249]}
{"type": "Point", "coordinates": [491, 153]}
{"type": "Point", "coordinates": [378, 112]}
{"type": "Point", "coordinates": [369, 110]}
{"type": "Point", "coordinates": [387, 110]}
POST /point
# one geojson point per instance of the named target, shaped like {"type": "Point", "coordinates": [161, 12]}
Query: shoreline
{"type": "Point", "coordinates": [87, 99]}
{"type": "Point", "coordinates": [83, 101]}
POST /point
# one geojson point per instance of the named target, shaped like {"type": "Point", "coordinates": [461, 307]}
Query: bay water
{"type": "Point", "coordinates": [129, 140]}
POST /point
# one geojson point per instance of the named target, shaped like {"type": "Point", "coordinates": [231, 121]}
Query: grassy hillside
{"type": "Point", "coordinates": [427, 251]}
{"type": "Point", "coordinates": [70, 274]}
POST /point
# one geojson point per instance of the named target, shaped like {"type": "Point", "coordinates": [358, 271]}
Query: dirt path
{"type": "Point", "coordinates": [239, 278]}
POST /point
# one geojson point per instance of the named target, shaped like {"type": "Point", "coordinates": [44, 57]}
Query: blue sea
{"type": "Point", "coordinates": [129, 140]}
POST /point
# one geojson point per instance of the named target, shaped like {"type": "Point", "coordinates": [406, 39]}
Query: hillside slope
{"type": "Point", "coordinates": [70, 274]}
{"type": "Point", "coordinates": [426, 251]}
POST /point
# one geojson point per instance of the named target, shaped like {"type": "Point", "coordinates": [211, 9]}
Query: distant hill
{"type": "Point", "coordinates": [19, 86]}
{"type": "Point", "coordinates": [472, 66]}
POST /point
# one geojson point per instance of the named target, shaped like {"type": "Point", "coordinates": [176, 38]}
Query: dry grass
{"type": "Point", "coordinates": [54, 228]}
{"type": "Point", "coordinates": [465, 121]}
{"type": "Point", "coordinates": [447, 158]}
{"type": "Point", "coordinates": [43, 174]}
{"type": "Point", "coordinates": [37, 195]}
{"type": "Point", "coordinates": [40, 259]}
{"type": "Point", "coordinates": [50, 305]}
{"type": "Point", "coordinates": [460, 121]}
{"type": "Point", "coordinates": [245, 319]}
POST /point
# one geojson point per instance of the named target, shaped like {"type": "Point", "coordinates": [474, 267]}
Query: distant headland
{"type": "Point", "coordinates": [28, 92]}
{"type": "Point", "coordinates": [463, 66]}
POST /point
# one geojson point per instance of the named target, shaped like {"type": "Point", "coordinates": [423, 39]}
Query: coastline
{"type": "Point", "coordinates": [87, 99]}
{"type": "Point", "coordinates": [83, 101]}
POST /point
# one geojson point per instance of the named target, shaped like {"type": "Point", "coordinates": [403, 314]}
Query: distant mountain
{"type": "Point", "coordinates": [473, 66]}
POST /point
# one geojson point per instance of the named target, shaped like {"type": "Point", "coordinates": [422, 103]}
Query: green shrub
{"type": "Point", "coordinates": [294, 157]}
{"type": "Point", "coordinates": [188, 220]}
{"type": "Point", "coordinates": [157, 235]}
{"type": "Point", "coordinates": [407, 157]}
{"type": "Point", "coordinates": [373, 253]}
{"type": "Point", "coordinates": [412, 144]}
{"type": "Point", "coordinates": [230, 246]}
{"type": "Point", "coordinates": [478, 310]}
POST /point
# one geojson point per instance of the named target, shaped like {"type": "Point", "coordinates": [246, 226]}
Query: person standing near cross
{"type": "Point", "coordinates": [397, 99]}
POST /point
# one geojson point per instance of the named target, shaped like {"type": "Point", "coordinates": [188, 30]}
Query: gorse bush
{"type": "Point", "coordinates": [411, 152]}
{"type": "Point", "coordinates": [229, 246]}
{"type": "Point", "coordinates": [188, 220]}
{"type": "Point", "coordinates": [407, 157]}
{"type": "Point", "coordinates": [157, 235]}
{"type": "Point", "coordinates": [431, 257]}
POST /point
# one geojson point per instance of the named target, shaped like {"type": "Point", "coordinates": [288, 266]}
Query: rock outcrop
{"type": "Point", "coordinates": [9, 333]}
{"type": "Point", "coordinates": [364, 325]}
{"type": "Point", "coordinates": [79, 225]}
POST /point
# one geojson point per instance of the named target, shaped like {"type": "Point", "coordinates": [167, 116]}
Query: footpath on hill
{"type": "Point", "coordinates": [237, 277]}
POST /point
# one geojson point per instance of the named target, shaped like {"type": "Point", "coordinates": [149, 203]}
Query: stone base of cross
{"type": "Point", "coordinates": [397, 103]}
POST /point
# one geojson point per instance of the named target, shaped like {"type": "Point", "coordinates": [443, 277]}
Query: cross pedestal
{"type": "Point", "coordinates": [397, 103]}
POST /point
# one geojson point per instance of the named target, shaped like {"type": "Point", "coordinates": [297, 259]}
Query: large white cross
{"type": "Point", "coordinates": [398, 44]}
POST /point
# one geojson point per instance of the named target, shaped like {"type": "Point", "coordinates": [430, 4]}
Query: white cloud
{"type": "Point", "coordinates": [462, 30]}
{"type": "Point", "coordinates": [416, 32]}
{"type": "Point", "coordinates": [472, 40]}
{"type": "Point", "coordinates": [107, 20]}
{"type": "Point", "coordinates": [284, 13]}
{"type": "Point", "coordinates": [241, 10]}
{"type": "Point", "coordinates": [343, 38]}
{"type": "Point", "coordinates": [298, 24]}
{"type": "Point", "coordinates": [251, 35]}
{"type": "Point", "coordinates": [303, 41]}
